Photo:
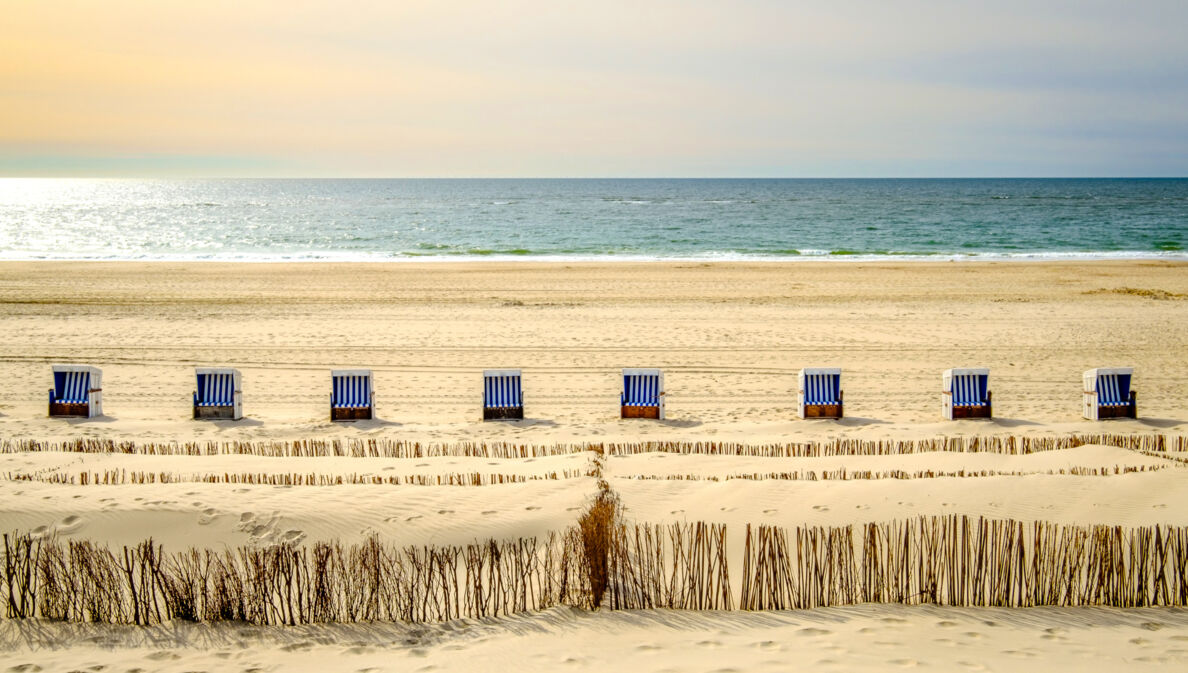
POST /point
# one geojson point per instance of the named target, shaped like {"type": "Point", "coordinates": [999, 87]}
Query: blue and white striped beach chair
{"type": "Point", "coordinates": [352, 395]}
{"type": "Point", "coordinates": [219, 394]}
{"type": "Point", "coordinates": [503, 395]}
{"type": "Point", "coordinates": [820, 393]}
{"type": "Point", "coordinates": [1108, 394]}
{"type": "Point", "coordinates": [643, 394]}
{"type": "Point", "coordinates": [966, 393]}
{"type": "Point", "coordinates": [77, 391]}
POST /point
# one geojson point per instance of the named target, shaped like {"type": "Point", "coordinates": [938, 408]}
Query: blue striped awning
{"type": "Point", "coordinates": [1113, 390]}
{"type": "Point", "coordinates": [502, 391]}
{"type": "Point", "coordinates": [72, 387]}
{"type": "Point", "coordinates": [641, 390]}
{"type": "Point", "coordinates": [350, 391]}
{"type": "Point", "coordinates": [969, 390]}
{"type": "Point", "coordinates": [216, 390]}
{"type": "Point", "coordinates": [822, 388]}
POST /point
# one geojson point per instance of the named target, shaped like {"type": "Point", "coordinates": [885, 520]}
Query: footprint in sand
{"type": "Point", "coordinates": [411, 518]}
{"type": "Point", "coordinates": [905, 663]}
{"type": "Point", "coordinates": [163, 655]}
{"type": "Point", "coordinates": [445, 511]}
{"type": "Point", "coordinates": [811, 631]}
{"type": "Point", "coordinates": [727, 509]}
{"type": "Point", "coordinates": [821, 508]}
{"type": "Point", "coordinates": [24, 668]}
{"type": "Point", "coordinates": [647, 648]}
{"type": "Point", "coordinates": [488, 512]}
{"type": "Point", "coordinates": [765, 645]}
{"type": "Point", "coordinates": [531, 508]}
{"type": "Point", "coordinates": [771, 511]}
{"type": "Point", "coordinates": [677, 511]}
{"type": "Point", "coordinates": [293, 536]}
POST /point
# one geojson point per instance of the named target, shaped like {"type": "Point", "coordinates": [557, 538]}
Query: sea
{"type": "Point", "coordinates": [592, 219]}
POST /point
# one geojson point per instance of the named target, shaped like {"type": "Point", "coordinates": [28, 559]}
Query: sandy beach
{"type": "Point", "coordinates": [730, 338]}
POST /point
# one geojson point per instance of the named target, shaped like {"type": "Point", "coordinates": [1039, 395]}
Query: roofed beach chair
{"type": "Point", "coordinates": [643, 394]}
{"type": "Point", "coordinates": [1108, 394]}
{"type": "Point", "coordinates": [820, 393]}
{"type": "Point", "coordinates": [503, 395]}
{"type": "Point", "coordinates": [352, 395]}
{"type": "Point", "coordinates": [219, 394]}
{"type": "Point", "coordinates": [77, 391]}
{"type": "Point", "coordinates": [966, 393]}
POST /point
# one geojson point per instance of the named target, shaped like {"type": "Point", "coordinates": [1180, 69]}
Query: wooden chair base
{"type": "Point", "coordinates": [69, 409]}
{"type": "Point", "coordinates": [503, 413]}
{"type": "Point", "coordinates": [1128, 411]}
{"type": "Point", "coordinates": [350, 414]}
{"type": "Point", "coordinates": [971, 412]}
{"type": "Point", "coordinates": [823, 411]}
{"type": "Point", "coordinates": [639, 412]}
{"type": "Point", "coordinates": [218, 413]}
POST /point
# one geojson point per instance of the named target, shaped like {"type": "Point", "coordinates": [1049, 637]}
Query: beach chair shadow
{"type": "Point", "coordinates": [855, 421]}
{"type": "Point", "coordinates": [1013, 422]}
{"type": "Point", "coordinates": [89, 421]}
{"type": "Point", "coordinates": [229, 424]}
{"type": "Point", "coordinates": [373, 423]}
{"type": "Point", "coordinates": [1162, 422]}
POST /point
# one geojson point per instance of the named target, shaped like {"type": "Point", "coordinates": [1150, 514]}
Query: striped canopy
{"type": "Point", "coordinates": [72, 387]}
{"type": "Point", "coordinates": [641, 390]}
{"type": "Point", "coordinates": [1113, 390]}
{"type": "Point", "coordinates": [502, 388]}
{"type": "Point", "coordinates": [350, 389]}
{"type": "Point", "coordinates": [821, 386]}
{"type": "Point", "coordinates": [216, 388]}
{"type": "Point", "coordinates": [969, 388]}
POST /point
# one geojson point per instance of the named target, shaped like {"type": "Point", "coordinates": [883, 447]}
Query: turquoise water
{"type": "Point", "coordinates": [274, 220]}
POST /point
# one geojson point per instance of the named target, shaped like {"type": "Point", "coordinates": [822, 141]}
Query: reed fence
{"type": "Point", "coordinates": [602, 562]}
{"type": "Point", "coordinates": [843, 474]}
{"type": "Point", "coordinates": [1156, 444]}
{"type": "Point", "coordinates": [118, 477]}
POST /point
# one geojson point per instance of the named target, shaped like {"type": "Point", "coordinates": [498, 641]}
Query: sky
{"type": "Point", "coordinates": [528, 88]}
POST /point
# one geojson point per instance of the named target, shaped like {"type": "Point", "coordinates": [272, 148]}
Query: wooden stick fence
{"type": "Point", "coordinates": [394, 448]}
{"type": "Point", "coordinates": [843, 474]}
{"type": "Point", "coordinates": [946, 560]}
{"type": "Point", "coordinates": [965, 561]}
{"type": "Point", "coordinates": [117, 477]}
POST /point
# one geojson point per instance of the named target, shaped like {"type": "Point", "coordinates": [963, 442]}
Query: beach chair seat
{"type": "Point", "coordinates": [966, 393]}
{"type": "Point", "coordinates": [1107, 394]}
{"type": "Point", "coordinates": [503, 395]}
{"type": "Point", "coordinates": [820, 394]}
{"type": "Point", "coordinates": [352, 395]}
{"type": "Point", "coordinates": [643, 394]}
{"type": "Point", "coordinates": [219, 394]}
{"type": "Point", "coordinates": [77, 391]}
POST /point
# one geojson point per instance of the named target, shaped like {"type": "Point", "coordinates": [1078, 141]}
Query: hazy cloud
{"type": "Point", "coordinates": [535, 88]}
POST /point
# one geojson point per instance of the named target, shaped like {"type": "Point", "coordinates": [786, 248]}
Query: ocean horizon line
{"type": "Point", "coordinates": [840, 257]}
